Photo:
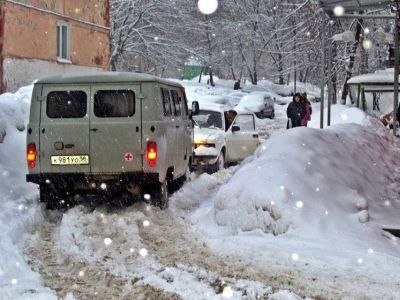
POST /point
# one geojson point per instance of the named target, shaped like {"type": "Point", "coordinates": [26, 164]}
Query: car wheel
{"type": "Point", "coordinates": [160, 198]}
{"type": "Point", "coordinates": [220, 164]}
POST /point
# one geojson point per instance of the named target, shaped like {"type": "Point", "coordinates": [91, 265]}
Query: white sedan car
{"type": "Point", "coordinates": [217, 142]}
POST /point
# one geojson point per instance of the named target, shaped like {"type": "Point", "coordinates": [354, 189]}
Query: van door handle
{"type": "Point", "coordinates": [255, 136]}
{"type": "Point", "coordinates": [94, 129]}
{"type": "Point", "coordinates": [177, 126]}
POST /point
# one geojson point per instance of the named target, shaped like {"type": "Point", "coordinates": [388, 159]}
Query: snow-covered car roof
{"type": "Point", "coordinates": [105, 77]}
{"type": "Point", "coordinates": [214, 107]}
{"type": "Point", "coordinates": [254, 102]}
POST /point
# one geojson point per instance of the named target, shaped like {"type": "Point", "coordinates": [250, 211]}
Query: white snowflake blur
{"type": "Point", "coordinates": [107, 241]}
{"type": "Point", "coordinates": [207, 7]}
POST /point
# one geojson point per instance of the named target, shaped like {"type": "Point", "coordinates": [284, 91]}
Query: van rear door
{"type": "Point", "coordinates": [64, 129]}
{"type": "Point", "coordinates": [115, 129]}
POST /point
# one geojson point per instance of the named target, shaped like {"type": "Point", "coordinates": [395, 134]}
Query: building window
{"type": "Point", "coordinates": [63, 41]}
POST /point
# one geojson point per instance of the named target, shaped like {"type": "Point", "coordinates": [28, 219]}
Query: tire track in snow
{"type": "Point", "coordinates": [85, 280]}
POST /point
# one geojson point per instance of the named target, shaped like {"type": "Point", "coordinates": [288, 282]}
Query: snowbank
{"type": "Point", "coordinates": [345, 185]}
{"type": "Point", "coordinates": [17, 201]}
{"type": "Point", "coordinates": [312, 202]}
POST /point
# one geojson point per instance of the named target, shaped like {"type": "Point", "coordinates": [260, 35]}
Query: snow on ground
{"type": "Point", "coordinates": [314, 202]}
{"type": "Point", "coordinates": [17, 201]}
{"type": "Point", "coordinates": [303, 214]}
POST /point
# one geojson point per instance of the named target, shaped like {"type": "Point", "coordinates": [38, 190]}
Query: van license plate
{"type": "Point", "coordinates": [70, 160]}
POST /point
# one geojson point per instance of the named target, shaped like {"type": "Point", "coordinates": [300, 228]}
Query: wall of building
{"type": "Point", "coordinates": [21, 72]}
{"type": "Point", "coordinates": [29, 35]}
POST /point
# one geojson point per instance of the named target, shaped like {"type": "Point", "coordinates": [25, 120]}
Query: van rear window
{"type": "Point", "coordinates": [66, 104]}
{"type": "Point", "coordinates": [114, 104]}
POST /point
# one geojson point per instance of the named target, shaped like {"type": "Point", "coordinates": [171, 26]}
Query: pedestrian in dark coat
{"type": "Point", "coordinates": [308, 108]}
{"type": "Point", "coordinates": [236, 86]}
{"type": "Point", "coordinates": [296, 111]}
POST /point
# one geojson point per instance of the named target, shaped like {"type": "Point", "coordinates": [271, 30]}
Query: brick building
{"type": "Point", "coordinates": [44, 37]}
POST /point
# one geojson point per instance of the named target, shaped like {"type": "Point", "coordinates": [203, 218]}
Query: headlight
{"type": "Point", "coordinates": [207, 145]}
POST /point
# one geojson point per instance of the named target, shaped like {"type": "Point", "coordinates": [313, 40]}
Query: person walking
{"type": "Point", "coordinates": [295, 112]}
{"type": "Point", "coordinates": [308, 108]}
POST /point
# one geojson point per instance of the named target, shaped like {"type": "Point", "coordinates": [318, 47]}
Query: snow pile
{"type": "Point", "coordinates": [17, 201]}
{"type": "Point", "coordinates": [340, 114]}
{"type": "Point", "coordinates": [344, 185]}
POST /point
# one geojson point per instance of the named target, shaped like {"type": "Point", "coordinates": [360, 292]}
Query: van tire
{"type": "Point", "coordinates": [50, 197]}
{"type": "Point", "coordinates": [160, 198]}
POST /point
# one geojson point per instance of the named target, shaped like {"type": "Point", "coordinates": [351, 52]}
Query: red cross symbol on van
{"type": "Point", "coordinates": [128, 156]}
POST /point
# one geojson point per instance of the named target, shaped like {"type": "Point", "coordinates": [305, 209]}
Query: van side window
{"type": "Point", "coordinates": [166, 102]}
{"type": "Point", "coordinates": [184, 104]}
{"type": "Point", "coordinates": [66, 104]}
{"type": "Point", "coordinates": [177, 103]}
{"type": "Point", "coordinates": [114, 104]}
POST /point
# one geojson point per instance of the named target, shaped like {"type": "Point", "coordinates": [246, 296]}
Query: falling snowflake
{"type": "Point", "coordinates": [295, 256]}
{"type": "Point", "coordinates": [47, 181]}
{"type": "Point", "coordinates": [6, 173]}
{"type": "Point", "coordinates": [317, 189]}
{"type": "Point", "coordinates": [146, 223]}
{"type": "Point", "coordinates": [227, 293]}
{"type": "Point", "coordinates": [326, 212]}
{"type": "Point", "coordinates": [103, 186]}
{"type": "Point", "coordinates": [21, 207]}
{"type": "Point", "coordinates": [344, 117]}
{"type": "Point", "coordinates": [143, 252]}
{"type": "Point", "coordinates": [207, 7]}
{"type": "Point", "coordinates": [81, 273]}
{"type": "Point", "coordinates": [367, 44]}
{"type": "Point", "coordinates": [338, 11]}
{"type": "Point", "coordinates": [14, 281]}
{"type": "Point", "coordinates": [299, 204]}
{"type": "Point", "coordinates": [370, 251]}
{"type": "Point", "coordinates": [107, 241]}
{"type": "Point", "coordinates": [131, 250]}
{"type": "Point", "coordinates": [282, 187]}
{"type": "Point", "coordinates": [360, 261]}
{"type": "Point", "coordinates": [272, 203]}
{"type": "Point", "coordinates": [147, 197]}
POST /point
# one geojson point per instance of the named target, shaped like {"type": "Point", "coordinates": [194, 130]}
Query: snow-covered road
{"type": "Point", "coordinates": [150, 254]}
{"type": "Point", "coordinates": [251, 231]}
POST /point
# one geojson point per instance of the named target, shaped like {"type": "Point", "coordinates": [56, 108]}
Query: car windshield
{"type": "Point", "coordinates": [208, 119]}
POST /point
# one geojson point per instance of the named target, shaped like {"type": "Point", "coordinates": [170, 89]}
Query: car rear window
{"type": "Point", "coordinates": [114, 104]}
{"type": "Point", "coordinates": [66, 104]}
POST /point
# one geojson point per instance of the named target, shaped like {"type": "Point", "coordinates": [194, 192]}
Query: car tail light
{"type": "Point", "coordinates": [31, 155]}
{"type": "Point", "coordinates": [151, 153]}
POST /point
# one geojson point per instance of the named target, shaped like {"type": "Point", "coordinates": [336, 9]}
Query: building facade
{"type": "Point", "coordinates": [45, 37]}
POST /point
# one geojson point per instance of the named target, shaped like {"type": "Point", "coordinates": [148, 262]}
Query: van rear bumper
{"type": "Point", "coordinates": [92, 180]}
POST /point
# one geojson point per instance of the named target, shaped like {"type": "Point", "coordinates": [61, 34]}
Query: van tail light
{"type": "Point", "coordinates": [151, 154]}
{"type": "Point", "coordinates": [31, 155]}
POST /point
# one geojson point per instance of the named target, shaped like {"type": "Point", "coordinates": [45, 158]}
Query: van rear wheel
{"type": "Point", "coordinates": [51, 198]}
{"type": "Point", "coordinates": [160, 198]}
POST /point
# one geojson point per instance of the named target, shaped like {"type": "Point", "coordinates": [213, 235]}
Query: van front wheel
{"type": "Point", "coordinates": [160, 198]}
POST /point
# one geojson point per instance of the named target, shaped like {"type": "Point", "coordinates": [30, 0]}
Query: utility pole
{"type": "Point", "coordinates": [322, 69]}
{"type": "Point", "coordinates": [396, 68]}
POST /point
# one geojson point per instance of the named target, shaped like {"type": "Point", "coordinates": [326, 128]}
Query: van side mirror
{"type": "Point", "coordinates": [195, 108]}
{"type": "Point", "coordinates": [235, 128]}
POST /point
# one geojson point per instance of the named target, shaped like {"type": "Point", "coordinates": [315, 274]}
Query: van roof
{"type": "Point", "coordinates": [104, 77]}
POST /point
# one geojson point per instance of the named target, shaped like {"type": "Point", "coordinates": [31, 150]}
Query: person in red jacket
{"type": "Point", "coordinates": [307, 106]}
